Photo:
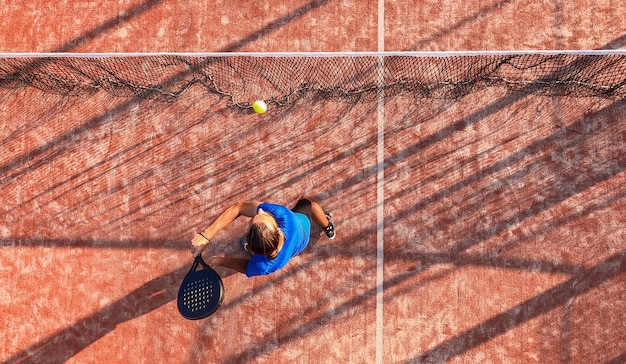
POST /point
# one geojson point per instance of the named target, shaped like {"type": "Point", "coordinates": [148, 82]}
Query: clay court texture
{"type": "Point", "coordinates": [477, 222]}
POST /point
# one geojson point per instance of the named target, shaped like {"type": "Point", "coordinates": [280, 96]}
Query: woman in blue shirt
{"type": "Point", "coordinates": [276, 234]}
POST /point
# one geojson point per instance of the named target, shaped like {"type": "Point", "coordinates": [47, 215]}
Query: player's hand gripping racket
{"type": "Point", "coordinates": [201, 292]}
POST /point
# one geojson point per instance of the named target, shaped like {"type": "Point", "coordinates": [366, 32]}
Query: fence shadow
{"type": "Point", "coordinates": [536, 306]}
{"type": "Point", "coordinates": [66, 343]}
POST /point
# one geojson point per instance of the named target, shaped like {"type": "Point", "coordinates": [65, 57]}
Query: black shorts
{"type": "Point", "coordinates": [303, 206]}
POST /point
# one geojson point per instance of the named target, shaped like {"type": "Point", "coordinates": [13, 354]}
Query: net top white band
{"type": "Point", "coordinates": [321, 54]}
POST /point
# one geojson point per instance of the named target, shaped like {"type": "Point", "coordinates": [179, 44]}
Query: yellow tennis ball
{"type": "Point", "coordinates": [259, 107]}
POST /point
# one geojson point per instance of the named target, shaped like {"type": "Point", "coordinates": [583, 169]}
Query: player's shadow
{"type": "Point", "coordinates": [66, 343]}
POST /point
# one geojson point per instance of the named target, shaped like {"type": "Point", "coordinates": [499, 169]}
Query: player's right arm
{"type": "Point", "coordinates": [246, 208]}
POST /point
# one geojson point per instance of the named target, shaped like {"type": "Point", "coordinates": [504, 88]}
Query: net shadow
{"type": "Point", "coordinates": [458, 25]}
{"type": "Point", "coordinates": [112, 23]}
{"type": "Point", "coordinates": [277, 24]}
{"type": "Point", "coordinates": [616, 43]}
{"type": "Point", "coordinates": [537, 149]}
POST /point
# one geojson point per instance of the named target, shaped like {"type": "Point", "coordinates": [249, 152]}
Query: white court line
{"type": "Point", "coordinates": [380, 183]}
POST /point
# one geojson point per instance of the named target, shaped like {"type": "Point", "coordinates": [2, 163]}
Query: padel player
{"type": "Point", "coordinates": [276, 234]}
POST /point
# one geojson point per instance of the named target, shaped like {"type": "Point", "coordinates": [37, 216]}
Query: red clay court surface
{"type": "Point", "coordinates": [502, 215]}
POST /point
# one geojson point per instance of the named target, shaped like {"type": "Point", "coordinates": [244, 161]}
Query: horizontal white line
{"type": "Point", "coordinates": [318, 54]}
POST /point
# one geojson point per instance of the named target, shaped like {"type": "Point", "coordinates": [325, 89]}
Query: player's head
{"type": "Point", "coordinates": [264, 236]}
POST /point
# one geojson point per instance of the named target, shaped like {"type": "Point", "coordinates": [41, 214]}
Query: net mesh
{"type": "Point", "coordinates": [284, 79]}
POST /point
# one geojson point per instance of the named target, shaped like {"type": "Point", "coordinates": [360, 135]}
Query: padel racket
{"type": "Point", "coordinates": [201, 292]}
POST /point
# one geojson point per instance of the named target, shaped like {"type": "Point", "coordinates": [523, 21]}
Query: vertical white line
{"type": "Point", "coordinates": [381, 25]}
{"type": "Point", "coordinates": [380, 183]}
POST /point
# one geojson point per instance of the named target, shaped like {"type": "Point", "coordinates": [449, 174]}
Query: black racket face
{"type": "Point", "coordinates": [200, 294]}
